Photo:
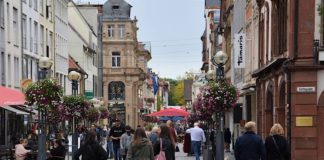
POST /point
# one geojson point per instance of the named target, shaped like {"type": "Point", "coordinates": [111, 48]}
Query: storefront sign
{"type": "Point", "coordinates": [239, 50]}
{"type": "Point", "coordinates": [89, 94]}
{"type": "Point", "coordinates": [304, 121]}
{"type": "Point", "coordinates": [305, 89]}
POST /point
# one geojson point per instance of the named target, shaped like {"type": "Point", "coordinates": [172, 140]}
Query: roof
{"type": "Point", "coordinates": [74, 66]}
{"type": "Point", "coordinates": [267, 68]}
{"type": "Point", "coordinates": [116, 9]}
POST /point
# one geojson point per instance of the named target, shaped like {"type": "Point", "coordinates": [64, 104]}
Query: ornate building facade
{"type": "Point", "coordinates": [124, 62]}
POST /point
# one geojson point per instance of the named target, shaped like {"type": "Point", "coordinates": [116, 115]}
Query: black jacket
{"type": "Point", "coordinates": [58, 153]}
{"type": "Point", "coordinates": [91, 152]}
{"type": "Point", "coordinates": [167, 147]}
{"type": "Point", "coordinates": [249, 146]}
{"type": "Point", "coordinates": [273, 152]}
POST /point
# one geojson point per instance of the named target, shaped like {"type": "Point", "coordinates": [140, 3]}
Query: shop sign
{"type": "Point", "coordinates": [305, 89]}
{"type": "Point", "coordinates": [89, 94]}
{"type": "Point", "coordinates": [304, 121]}
{"type": "Point", "coordinates": [239, 50]}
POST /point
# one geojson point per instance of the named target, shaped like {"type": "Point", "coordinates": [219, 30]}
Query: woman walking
{"type": "Point", "coordinates": [140, 148]}
{"type": "Point", "coordinates": [276, 144]}
{"type": "Point", "coordinates": [91, 149]}
{"type": "Point", "coordinates": [167, 145]}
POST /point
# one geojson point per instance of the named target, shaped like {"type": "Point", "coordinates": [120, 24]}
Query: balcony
{"type": "Point", "coordinates": [122, 71]}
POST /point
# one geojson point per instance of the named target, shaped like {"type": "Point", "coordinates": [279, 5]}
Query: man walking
{"type": "Point", "coordinates": [249, 146]}
{"type": "Point", "coordinates": [115, 133]}
{"type": "Point", "coordinates": [197, 138]}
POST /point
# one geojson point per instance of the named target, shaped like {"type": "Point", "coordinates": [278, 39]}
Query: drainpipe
{"type": "Point", "coordinates": [288, 81]}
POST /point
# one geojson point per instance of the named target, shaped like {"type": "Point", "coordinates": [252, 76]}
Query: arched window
{"type": "Point", "coordinates": [282, 25]}
{"type": "Point", "coordinates": [116, 90]}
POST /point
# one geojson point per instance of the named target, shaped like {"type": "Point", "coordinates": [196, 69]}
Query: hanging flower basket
{"type": "Point", "coordinates": [45, 94]}
{"type": "Point", "coordinates": [75, 106]}
{"type": "Point", "coordinates": [92, 114]}
{"type": "Point", "coordinates": [56, 115]}
{"type": "Point", "coordinates": [103, 112]}
{"type": "Point", "coordinates": [215, 97]}
{"type": "Point", "coordinates": [149, 100]}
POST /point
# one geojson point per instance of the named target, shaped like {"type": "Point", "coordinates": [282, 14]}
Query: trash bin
{"type": "Point", "coordinates": [207, 152]}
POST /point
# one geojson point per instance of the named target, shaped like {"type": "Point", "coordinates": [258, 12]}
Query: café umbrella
{"type": "Point", "coordinates": [170, 112]}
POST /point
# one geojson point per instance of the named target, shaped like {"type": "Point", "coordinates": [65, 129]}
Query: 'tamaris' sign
{"type": "Point", "coordinates": [239, 50]}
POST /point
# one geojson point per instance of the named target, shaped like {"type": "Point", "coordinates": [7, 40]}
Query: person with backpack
{"type": "Point", "coordinates": [91, 149]}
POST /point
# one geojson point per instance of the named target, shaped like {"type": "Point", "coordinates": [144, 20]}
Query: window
{"type": "Point", "coordinates": [30, 3]}
{"type": "Point", "coordinates": [41, 40]}
{"type": "Point", "coordinates": [322, 23]}
{"type": "Point", "coordinates": [9, 70]}
{"type": "Point", "coordinates": [25, 68]}
{"type": "Point", "coordinates": [116, 90]}
{"type": "Point", "coordinates": [2, 13]}
{"type": "Point", "coordinates": [30, 69]}
{"type": "Point", "coordinates": [15, 26]}
{"type": "Point", "coordinates": [115, 59]}
{"type": "Point", "coordinates": [35, 5]}
{"type": "Point", "coordinates": [110, 31]}
{"type": "Point", "coordinates": [24, 31]}
{"type": "Point", "coordinates": [121, 30]}
{"type": "Point", "coordinates": [115, 7]}
{"type": "Point", "coordinates": [282, 26]}
{"type": "Point", "coordinates": [36, 37]}
{"type": "Point", "coordinates": [16, 71]}
{"type": "Point", "coordinates": [2, 69]}
{"type": "Point", "coordinates": [50, 43]}
{"type": "Point", "coordinates": [41, 7]}
{"type": "Point", "coordinates": [30, 36]}
{"type": "Point", "coordinates": [8, 24]}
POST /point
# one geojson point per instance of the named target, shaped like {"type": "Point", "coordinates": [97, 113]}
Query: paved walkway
{"type": "Point", "coordinates": [183, 156]}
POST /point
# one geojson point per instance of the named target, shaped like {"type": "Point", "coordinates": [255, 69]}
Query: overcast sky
{"type": "Point", "coordinates": [174, 28]}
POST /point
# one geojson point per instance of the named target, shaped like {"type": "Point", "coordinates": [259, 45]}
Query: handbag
{"type": "Point", "coordinates": [161, 155]}
{"type": "Point", "coordinates": [277, 147]}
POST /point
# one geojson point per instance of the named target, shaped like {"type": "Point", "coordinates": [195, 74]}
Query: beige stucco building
{"type": "Point", "coordinates": [124, 62]}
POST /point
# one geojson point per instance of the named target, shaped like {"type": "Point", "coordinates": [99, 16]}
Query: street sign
{"type": "Point", "coordinates": [304, 121]}
{"type": "Point", "coordinates": [305, 89]}
{"type": "Point", "coordinates": [89, 94]}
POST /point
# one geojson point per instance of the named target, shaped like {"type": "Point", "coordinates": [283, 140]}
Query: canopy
{"type": "Point", "coordinates": [170, 112]}
{"type": "Point", "coordinates": [11, 97]}
{"type": "Point", "coordinates": [176, 118]}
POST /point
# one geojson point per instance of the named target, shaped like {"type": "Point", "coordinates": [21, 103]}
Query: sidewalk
{"type": "Point", "coordinates": [183, 156]}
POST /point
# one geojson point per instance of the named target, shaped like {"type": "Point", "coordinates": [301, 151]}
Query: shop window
{"type": "Point", "coordinates": [116, 90]}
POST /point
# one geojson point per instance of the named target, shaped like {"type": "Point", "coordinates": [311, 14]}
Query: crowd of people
{"type": "Point", "coordinates": [120, 142]}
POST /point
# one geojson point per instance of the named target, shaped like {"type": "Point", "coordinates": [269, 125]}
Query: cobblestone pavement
{"type": "Point", "coordinates": [183, 156]}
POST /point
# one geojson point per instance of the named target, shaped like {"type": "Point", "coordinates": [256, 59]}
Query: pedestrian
{"type": "Point", "coordinates": [91, 149]}
{"type": "Point", "coordinates": [125, 141]}
{"type": "Point", "coordinates": [172, 132]}
{"type": "Point", "coordinates": [20, 150]}
{"type": "Point", "coordinates": [110, 149]}
{"type": "Point", "coordinates": [227, 139]}
{"type": "Point", "coordinates": [58, 152]}
{"type": "Point", "coordinates": [140, 148]}
{"type": "Point", "coordinates": [198, 139]}
{"type": "Point", "coordinates": [249, 146]}
{"type": "Point", "coordinates": [154, 137]}
{"type": "Point", "coordinates": [167, 145]}
{"type": "Point", "coordinates": [115, 133]}
{"type": "Point", "coordinates": [276, 144]}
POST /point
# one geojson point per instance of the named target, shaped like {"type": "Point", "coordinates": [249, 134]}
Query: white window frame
{"type": "Point", "coordinates": [121, 31]}
{"type": "Point", "coordinates": [115, 60]}
{"type": "Point", "coordinates": [2, 20]}
{"type": "Point", "coordinates": [15, 28]}
{"type": "Point", "coordinates": [9, 69]}
{"type": "Point", "coordinates": [8, 22]}
{"type": "Point", "coordinates": [24, 30]}
{"type": "Point", "coordinates": [16, 70]}
{"type": "Point", "coordinates": [111, 31]}
{"type": "Point", "coordinates": [35, 37]}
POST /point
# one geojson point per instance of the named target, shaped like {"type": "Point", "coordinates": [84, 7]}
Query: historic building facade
{"type": "Point", "coordinates": [124, 62]}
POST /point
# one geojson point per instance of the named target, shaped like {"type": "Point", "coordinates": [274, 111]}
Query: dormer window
{"type": "Point", "coordinates": [115, 7]}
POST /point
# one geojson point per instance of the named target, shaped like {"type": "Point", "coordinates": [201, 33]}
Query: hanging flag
{"type": "Point", "coordinates": [155, 80]}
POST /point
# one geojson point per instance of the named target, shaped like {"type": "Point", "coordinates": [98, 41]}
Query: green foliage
{"type": "Point", "coordinates": [93, 114]}
{"type": "Point", "coordinates": [176, 95]}
{"type": "Point", "coordinates": [320, 9]}
{"type": "Point", "coordinates": [159, 102]}
{"type": "Point", "coordinates": [75, 106]}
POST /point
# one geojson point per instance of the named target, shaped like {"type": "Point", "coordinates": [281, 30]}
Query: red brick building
{"type": "Point", "coordinates": [290, 78]}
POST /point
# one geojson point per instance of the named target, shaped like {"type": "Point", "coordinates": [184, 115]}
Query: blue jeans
{"type": "Point", "coordinates": [110, 148]}
{"type": "Point", "coordinates": [196, 147]}
{"type": "Point", "coordinates": [117, 151]}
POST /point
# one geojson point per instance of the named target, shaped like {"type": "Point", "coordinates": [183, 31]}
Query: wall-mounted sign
{"type": "Point", "coordinates": [305, 89]}
{"type": "Point", "coordinates": [304, 121]}
{"type": "Point", "coordinates": [239, 50]}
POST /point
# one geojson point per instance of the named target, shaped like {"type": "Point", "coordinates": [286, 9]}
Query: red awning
{"type": "Point", "coordinates": [170, 112]}
{"type": "Point", "coordinates": [11, 97]}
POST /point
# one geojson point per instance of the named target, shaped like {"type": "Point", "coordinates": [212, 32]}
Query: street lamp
{"type": "Point", "coordinates": [219, 60]}
{"type": "Point", "coordinates": [74, 77]}
{"type": "Point", "coordinates": [44, 65]}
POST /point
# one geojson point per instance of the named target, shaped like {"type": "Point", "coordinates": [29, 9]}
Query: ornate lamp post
{"type": "Point", "coordinates": [44, 65]}
{"type": "Point", "coordinates": [74, 77]}
{"type": "Point", "coordinates": [219, 60]}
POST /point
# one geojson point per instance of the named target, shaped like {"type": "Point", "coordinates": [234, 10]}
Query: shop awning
{"type": "Point", "coordinates": [18, 112]}
{"type": "Point", "coordinates": [10, 96]}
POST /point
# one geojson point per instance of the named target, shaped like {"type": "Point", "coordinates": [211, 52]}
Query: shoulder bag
{"type": "Point", "coordinates": [277, 147]}
{"type": "Point", "coordinates": [161, 155]}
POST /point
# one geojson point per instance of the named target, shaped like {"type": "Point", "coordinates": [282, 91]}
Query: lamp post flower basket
{"type": "Point", "coordinates": [149, 100]}
{"type": "Point", "coordinates": [103, 112]}
{"type": "Point", "coordinates": [215, 97]}
{"type": "Point", "coordinates": [75, 106]}
{"type": "Point", "coordinates": [45, 94]}
{"type": "Point", "coordinates": [56, 115]}
{"type": "Point", "coordinates": [92, 114]}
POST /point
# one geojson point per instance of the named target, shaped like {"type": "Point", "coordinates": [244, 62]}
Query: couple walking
{"type": "Point", "coordinates": [251, 147]}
